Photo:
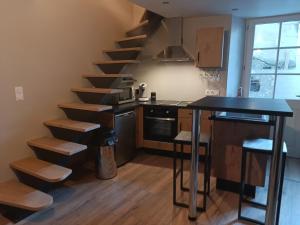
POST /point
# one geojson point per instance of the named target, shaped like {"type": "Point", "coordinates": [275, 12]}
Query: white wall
{"type": "Point", "coordinates": [236, 55]}
{"type": "Point", "coordinates": [45, 46]}
{"type": "Point", "coordinates": [180, 81]}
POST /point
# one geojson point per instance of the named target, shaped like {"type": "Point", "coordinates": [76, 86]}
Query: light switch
{"type": "Point", "coordinates": [19, 93]}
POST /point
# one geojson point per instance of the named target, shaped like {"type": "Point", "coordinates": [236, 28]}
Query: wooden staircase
{"type": "Point", "coordinates": [132, 42]}
{"type": "Point", "coordinates": [123, 53]}
{"type": "Point", "coordinates": [18, 195]}
{"type": "Point", "coordinates": [114, 66]}
{"type": "Point", "coordinates": [73, 137]}
{"type": "Point", "coordinates": [56, 145]}
{"type": "Point", "coordinates": [110, 80]}
{"type": "Point", "coordinates": [41, 169]}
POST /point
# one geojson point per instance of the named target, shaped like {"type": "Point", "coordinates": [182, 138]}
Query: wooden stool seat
{"type": "Point", "coordinates": [261, 145]}
{"type": "Point", "coordinates": [185, 137]}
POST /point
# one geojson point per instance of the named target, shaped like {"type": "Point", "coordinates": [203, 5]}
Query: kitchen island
{"type": "Point", "coordinates": [229, 132]}
{"type": "Point", "coordinates": [275, 108]}
{"type": "Point", "coordinates": [226, 147]}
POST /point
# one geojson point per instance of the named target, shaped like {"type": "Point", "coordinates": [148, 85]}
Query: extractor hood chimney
{"type": "Point", "coordinates": [175, 53]}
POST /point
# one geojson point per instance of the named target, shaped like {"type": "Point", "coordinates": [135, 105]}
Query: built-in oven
{"type": "Point", "coordinates": [160, 123]}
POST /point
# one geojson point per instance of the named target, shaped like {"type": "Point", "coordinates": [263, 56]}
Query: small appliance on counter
{"type": "Point", "coordinates": [153, 96]}
{"type": "Point", "coordinates": [142, 93]}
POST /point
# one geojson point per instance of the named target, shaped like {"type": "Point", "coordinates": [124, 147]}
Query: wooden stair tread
{"type": "Point", "coordinates": [72, 125]}
{"type": "Point", "coordinates": [144, 36]}
{"type": "Point", "coordinates": [41, 169]}
{"type": "Point", "coordinates": [109, 62]}
{"type": "Point", "coordinates": [5, 221]}
{"type": "Point", "coordinates": [141, 24]}
{"type": "Point", "coordinates": [98, 90]}
{"type": "Point", "coordinates": [104, 75]}
{"type": "Point", "coordinates": [16, 194]}
{"type": "Point", "coordinates": [137, 49]}
{"type": "Point", "coordinates": [57, 145]}
{"type": "Point", "coordinates": [86, 107]}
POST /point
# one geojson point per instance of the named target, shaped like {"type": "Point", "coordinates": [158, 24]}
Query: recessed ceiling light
{"type": "Point", "coordinates": [235, 9]}
{"type": "Point", "coordinates": [165, 2]}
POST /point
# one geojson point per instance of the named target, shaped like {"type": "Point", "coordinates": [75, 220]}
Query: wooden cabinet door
{"type": "Point", "coordinates": [210, 42]}
{"type": "Point", "coordinates": [139, 126]}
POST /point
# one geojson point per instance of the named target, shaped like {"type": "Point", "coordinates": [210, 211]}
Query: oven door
{"type": "Point", "coordinates": [160, 129]}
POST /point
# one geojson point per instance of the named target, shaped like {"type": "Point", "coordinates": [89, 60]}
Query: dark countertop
{"type": "Point", "coordinates": [273, 107]}
{"type": "Point", "coordinates": [132, 105]}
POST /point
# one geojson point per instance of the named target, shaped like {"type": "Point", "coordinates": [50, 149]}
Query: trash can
{"type": "Point", "coordinates": [105, 159]}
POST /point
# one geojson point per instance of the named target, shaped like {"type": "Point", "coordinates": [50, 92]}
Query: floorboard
{"type": "Point", "coordinates": [142, 194]}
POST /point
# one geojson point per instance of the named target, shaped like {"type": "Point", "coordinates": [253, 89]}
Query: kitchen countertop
{"type": "Point", "coordinates": [272, 107]}
{"type": "Point", "coordinates": [132, 105]}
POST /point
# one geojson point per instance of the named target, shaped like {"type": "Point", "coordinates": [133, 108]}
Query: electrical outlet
{"type": "Point", "coordinates": [19, 93]}
{"type": "Point", "coordinates": [212, 92]}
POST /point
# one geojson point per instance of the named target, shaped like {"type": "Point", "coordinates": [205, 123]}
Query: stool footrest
{"type": "Point", "coordinates": [183, 205]}
{"type": "Point", "coordinates": [251, 220]}
{"type": "Point", "coordinates": [198, 191]}
{"type": "Point", "coordinates": [255, 204]}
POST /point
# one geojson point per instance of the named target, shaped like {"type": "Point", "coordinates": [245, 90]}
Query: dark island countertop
{"type": "Point", "coordinates": [272, 107]}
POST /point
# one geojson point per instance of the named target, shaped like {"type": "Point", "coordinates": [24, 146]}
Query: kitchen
{"type": "Point", "coordinates": [165, 115]}
{"type": "Point", "coordinates": [160, 115]}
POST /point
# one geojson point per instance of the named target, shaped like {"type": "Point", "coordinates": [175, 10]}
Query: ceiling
{"type": "Point", "coordinates": [245, 8]}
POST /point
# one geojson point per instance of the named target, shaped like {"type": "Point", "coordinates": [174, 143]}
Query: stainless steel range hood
{"type": "Point", "coordinates": [175, 53]}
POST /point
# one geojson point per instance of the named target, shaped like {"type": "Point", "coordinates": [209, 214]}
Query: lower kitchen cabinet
{"type": "Point", "coordinates": [139, 126]}
{"type": "Point", "coordinates": [228, 137]}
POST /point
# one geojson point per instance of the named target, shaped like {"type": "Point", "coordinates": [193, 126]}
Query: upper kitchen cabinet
{"type": "Point", "coordinates": [210, 45]}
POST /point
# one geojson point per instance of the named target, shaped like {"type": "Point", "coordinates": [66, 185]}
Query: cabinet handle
{"type": "Point", "coordinates": [198, 57]}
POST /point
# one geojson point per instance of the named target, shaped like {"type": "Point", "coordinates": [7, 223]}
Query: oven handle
{"type": "Point", "coordinates": [159, 118]}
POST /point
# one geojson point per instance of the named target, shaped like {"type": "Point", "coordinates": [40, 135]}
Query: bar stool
{"type": "Point", "coordinates": [261, 146]}
{"type": "Point", "coordinates": [185, 138]}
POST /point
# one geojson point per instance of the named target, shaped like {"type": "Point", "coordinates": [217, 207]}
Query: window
{"type": "Point", "coordinates": [273, 62]}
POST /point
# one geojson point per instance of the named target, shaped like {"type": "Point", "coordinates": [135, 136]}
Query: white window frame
{"type": "Point", "coordinates": [249, 41]}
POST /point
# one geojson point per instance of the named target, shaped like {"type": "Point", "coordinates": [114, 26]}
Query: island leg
{"type": "Point", "coordinates": [275, 172]}
{"type": "Point", "coordinates": [194, 165]}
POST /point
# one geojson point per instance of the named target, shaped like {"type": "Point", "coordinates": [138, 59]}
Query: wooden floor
{"type": "Point", "coordinates": [142, 194]}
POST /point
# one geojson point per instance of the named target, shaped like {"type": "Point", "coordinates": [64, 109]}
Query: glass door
{"type": "Point", "coordinates": [273, 65]}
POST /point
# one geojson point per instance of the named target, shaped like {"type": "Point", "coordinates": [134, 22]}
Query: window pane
{"type": "Point", "coordinates": [287, 86]}
{"type": "Point", "coordinates": [289, 61]}
{"type": "Point", "coordinates": [266, 35]}
{"type": "Point", "coordinates": [261, 86]}
{"type": "Point", "coordinates": [263, 61]}
{"type": "Point", "coordinates": [290, 34]}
